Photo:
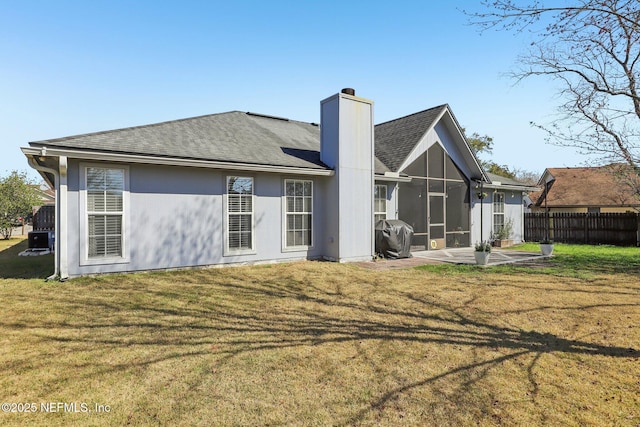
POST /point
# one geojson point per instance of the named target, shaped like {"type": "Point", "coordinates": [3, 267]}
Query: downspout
{"type": "Point", "coordinates": [62, 239]}
{"type": "Point", "coordinates": [522, 194]}
{"type": "Point", "coordinates": [56, 176]}
{"type": "Point", "coordinates": [481, 213]}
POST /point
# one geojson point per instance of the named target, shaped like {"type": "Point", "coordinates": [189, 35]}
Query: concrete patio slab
{"type": "Point", "coordinates": [466, 256]}
{"type": "Point", "coordinates": [454, 256]}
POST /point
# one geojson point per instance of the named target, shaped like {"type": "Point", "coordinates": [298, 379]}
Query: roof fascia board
{"type": "Point", "coordinates": [172, 161]}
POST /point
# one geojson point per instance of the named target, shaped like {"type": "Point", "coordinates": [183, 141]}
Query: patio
{"type": "Point", "coordinates": [465, 256]}
{"type": "Point", "coordinates": [454, 256]}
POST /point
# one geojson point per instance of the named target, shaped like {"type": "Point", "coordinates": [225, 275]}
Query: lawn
{"type": "Point", "coordinates": [313, 343]}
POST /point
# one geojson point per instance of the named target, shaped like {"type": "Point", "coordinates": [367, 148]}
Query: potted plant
{"type": "Point", "coordinates": [546, 247]}
{"type": "Point", "coordinates": [482, 252]}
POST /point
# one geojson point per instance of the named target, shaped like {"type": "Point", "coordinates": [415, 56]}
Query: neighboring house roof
{"type": "Point", "coordinates": [587, 187]}
{"type": "Point", "coordinates": [395, 139]}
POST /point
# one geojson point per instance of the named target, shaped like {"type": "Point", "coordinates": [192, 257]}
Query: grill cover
{"type": "Point", "coordinates": [393, 238]}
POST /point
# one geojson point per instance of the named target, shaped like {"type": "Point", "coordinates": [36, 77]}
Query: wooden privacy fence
{"type": "Point", "coordinates": [44, 218]}
{"type": "Point", "coordinates": [621, 229]}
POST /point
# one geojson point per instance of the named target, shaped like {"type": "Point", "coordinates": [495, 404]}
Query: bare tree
{"type": "Point", "coordinates": [592, 49]}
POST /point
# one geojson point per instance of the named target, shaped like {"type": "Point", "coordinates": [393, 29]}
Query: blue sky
{"type": "Point", "coordinates": [71, 67]}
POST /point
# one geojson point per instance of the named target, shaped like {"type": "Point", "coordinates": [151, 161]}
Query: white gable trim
{"type": "Point", "coordinates": [467, 163]}
{"type": "Point", "coordinates": [428, 139]}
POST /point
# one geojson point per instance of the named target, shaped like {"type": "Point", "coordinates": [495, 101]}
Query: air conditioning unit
{"type": "Point", "coordinates": [41, 240]}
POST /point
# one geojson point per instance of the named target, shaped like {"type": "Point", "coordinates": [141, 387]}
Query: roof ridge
{"type": "Point", "coordinates": [414, 114]}
{"type": "Point", "coordinates": [610, 165]}
{"type": "Point", "coordinates": [279, 118]}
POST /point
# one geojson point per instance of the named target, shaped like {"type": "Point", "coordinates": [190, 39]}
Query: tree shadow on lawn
{"type": "Point", "coordinates": [14, 266]}
{"type": "Point", "coordinates": [598, 260]}
{"type": "Point", "coordinates": [214, 320]}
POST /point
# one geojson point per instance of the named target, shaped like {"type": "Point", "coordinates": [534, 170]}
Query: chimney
{"type": "Point", "coordinates": [346, 146]}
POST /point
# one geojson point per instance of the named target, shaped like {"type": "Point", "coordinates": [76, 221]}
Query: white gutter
{"type": "Point", "coordinates": [174, 161]}
{"type": "Point", "coordinates": [392, 177]}
{"type": "Point", "coordinates": [523, 188]}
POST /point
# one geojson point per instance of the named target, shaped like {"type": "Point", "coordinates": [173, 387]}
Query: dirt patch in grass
{"type": "Point", "coordinates": [315, 343]}
{"type": "Point", "coordinates": [395, 264]}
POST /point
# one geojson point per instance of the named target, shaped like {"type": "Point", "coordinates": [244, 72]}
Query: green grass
{"type": "Point", "coordinates": [13, 266]}
{"type": "Point", "coordinates": [596, 259]}
{"type": "Point", "coordinates": [317, 344]}
{"type": "Point", "coordinates": [582, 261]}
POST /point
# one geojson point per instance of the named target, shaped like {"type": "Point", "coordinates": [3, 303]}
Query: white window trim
{"type": "Point", "coordinates": [286, 248]}
{"type": "Point", "coordinates": [493, 210]}
{"type": "Point", "coordinates": [386, 201]}
{"type": "Point", "coordinates": [225, 202]}
{"type": "Point", "coordinates": [84, 217]}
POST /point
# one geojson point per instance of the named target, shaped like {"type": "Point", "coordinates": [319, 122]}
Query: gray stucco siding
{"type": "Point", "coordinates": [176, 219]}
{"type": "Point", "coordinates": [513, 209]}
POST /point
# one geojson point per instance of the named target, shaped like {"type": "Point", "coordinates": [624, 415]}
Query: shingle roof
{"type": "Point", "coordinates": [396, 139]}
{"type": "Point", "coordinates": [589, 186]}
{"type": "Point", "coordinates": [234, 136]}
{"type": "Point", "coordinates": [229, 137]}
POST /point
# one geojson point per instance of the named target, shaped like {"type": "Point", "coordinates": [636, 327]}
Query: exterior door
{"type": "Point", "coordinates": [436, 221]}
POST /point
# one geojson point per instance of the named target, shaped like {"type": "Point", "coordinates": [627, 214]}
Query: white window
{"type": "Point", "coordinates": [240, 225]}
{"type": "Point", "coordinates": [498, 212]}
{"type": "Point", "coordinates": [105, 191]}
{"type": "Point", "coordinates": [379, 203]}
{"type": "Point", "coordinates": [298, 212]}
